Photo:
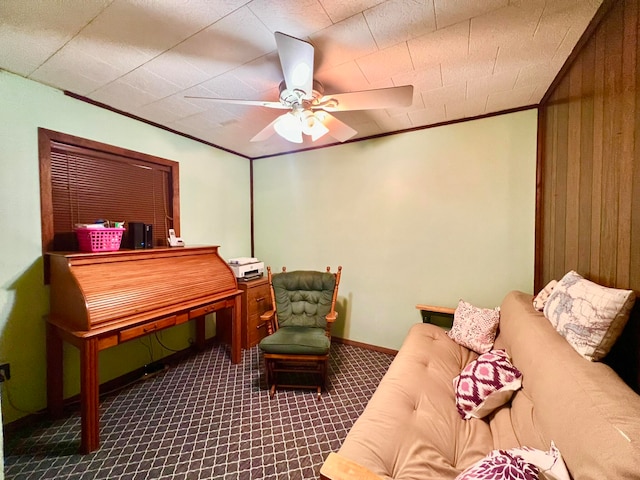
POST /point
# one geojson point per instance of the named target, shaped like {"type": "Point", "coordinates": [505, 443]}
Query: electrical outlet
{"type": "Point", "coordinates": [5, 372]}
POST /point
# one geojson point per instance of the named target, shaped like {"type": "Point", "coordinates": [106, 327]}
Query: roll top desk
{"type": "Point", "coordinates": [99, 300]}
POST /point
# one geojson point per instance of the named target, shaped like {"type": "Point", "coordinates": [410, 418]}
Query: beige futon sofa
{"type": "Point", "coordinates": [411, 429]}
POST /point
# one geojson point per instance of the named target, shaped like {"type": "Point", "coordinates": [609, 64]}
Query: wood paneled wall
{"type": "Point", "coordinates": [588, 196]}
{"type": "Point", "coordinates": [588, 216]}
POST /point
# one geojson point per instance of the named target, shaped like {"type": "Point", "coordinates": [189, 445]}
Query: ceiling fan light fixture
{"type": "Point", "coordinates": [318, 131]}
{"type": "Point", "coordinates": [320, 115]}
{"type": "Point", "coordinates": [289, 128]}
{"type": "Point", "coordinates": [311, 125]}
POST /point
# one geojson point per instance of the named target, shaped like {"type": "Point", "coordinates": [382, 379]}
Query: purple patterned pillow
{"type": "Point", "coordinates": [519, 463]}
{"type": "Point", "coordinates": [486, 384]}
{"type": "Point", "coordinates": [473, 327]}
{"type": "Point", "coordinates": [500, 465]}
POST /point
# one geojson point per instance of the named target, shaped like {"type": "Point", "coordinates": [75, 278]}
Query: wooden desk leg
{"type": "Point", "coordinates": [54, 372]}
{"type": "Point", "coordinates": [200, 332]}
{"type": "Point", "coordinates": [89, 396]}
{"type": "Point", "coordinates": [236, 332]}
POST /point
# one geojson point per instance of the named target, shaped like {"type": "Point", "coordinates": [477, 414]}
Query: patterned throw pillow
{"type": "Point", "coordinates": [589, 316]}
{"type": "Point", "coordinates": [550, 464]}
{"type": "Point", "coordinates": [473, 327]}
{"type": "Point", "coordinates": [543, 295]}
{"type": "Point", "coordinates": [519, 463]}
{"type": "Point", "coordinates": [486, 384]}
{"type": "Point", "coordinates": [500, 465]}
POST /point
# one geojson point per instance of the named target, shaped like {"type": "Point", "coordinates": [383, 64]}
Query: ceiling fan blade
{"type": "Point", "coordinates": [257, 103]}
{"type": "Point", "coordinates": [369, 99]}
{"type": "Point", "coordinates": [296, 59]}
{"type": "Point", "coordinates": [337, 129]}
{"type": "Point", "coordinates": [266, 132]}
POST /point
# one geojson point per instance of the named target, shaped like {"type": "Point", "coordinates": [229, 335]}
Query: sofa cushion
{"type": "Point", "coordinates": [474, 327]}
{"type": "Point", "coordinates": [296, 341]}
{"type": "Point", "coordinates": [410, 428]}
{"type": "Point", "coordinates": [486, 384]}
{"type": "Point", "coordinates": [303, 297]}
{"type": "Point", "coordinates": [591, 317]}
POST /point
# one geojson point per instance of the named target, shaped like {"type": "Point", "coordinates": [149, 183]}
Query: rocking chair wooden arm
{"type": "Point", "coordinates": [332, 317]}
{"type": "Point", "coordinates": [337, 467]}
{"type": "Point", "coordinates": [268, 315]}
{"type": "Point", "coordinates": [269, 318]}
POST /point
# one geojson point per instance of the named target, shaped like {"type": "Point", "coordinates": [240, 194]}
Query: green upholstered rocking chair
{"type": "Point", "coordinates": [299, 327]}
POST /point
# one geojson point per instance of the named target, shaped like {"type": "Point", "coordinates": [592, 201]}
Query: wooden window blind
{"type": "Point", "coordinates": [83, 181]}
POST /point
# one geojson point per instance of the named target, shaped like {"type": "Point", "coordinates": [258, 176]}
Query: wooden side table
{"type": "Point", "coordinates": [441, 316]}
{"type": "Point", "coordinates": [255, 299]}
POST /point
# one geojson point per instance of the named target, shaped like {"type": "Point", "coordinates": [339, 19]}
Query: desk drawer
{"type": "Point", "coordinates": [207, 309]}
{"type": "Point", "coordinates": [147, 328]}
{"type": "Point", "coordinates": [258, 300]}
{"type": "Point", "coordinates": [256, 330]}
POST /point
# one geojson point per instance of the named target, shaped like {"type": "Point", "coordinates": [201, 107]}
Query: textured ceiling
{"type": "Point", "coordinates": [464, 57]}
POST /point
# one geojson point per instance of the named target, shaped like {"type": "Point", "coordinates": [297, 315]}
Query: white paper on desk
{"type": "Point", "coordinates": [242, 260]}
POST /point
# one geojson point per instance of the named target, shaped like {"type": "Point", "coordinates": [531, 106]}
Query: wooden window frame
{"type": "Point", "coordinates": [46, 138]}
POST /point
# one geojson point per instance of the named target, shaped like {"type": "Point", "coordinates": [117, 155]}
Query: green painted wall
{"type": "Point", "coordinates": [424, 217]}
{"type": "Point", "coordinates": [215, 209]}
{"type": "Point", "coordinates": [429, 216]}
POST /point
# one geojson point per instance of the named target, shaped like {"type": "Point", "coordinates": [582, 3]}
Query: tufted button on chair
{"type": "Point", "coordinates": [299, 327]}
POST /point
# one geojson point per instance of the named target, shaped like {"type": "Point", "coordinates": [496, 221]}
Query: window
{"type": "Point", "coordinates": [82, 181]}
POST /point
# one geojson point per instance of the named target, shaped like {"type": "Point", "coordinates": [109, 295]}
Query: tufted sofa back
{"type": "Point", "coordinates": [591, 415]}
{"type": "Point", "coordinates": [303, 298]}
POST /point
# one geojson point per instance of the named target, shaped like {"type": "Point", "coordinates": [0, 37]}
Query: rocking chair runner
{"type": "Point", "coordinates": [299, 327]}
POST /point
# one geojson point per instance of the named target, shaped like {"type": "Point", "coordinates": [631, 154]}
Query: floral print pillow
{"type": "Point", "coordinates": [589, 316]}
{"type": "Point", "coordinates": [501, 465]}
{"type": "Point", "coordinates": [474, 327]}
{"type": "Point", "coordinates": [519, 463]}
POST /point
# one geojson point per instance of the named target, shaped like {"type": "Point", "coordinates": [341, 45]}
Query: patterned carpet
{"type": "Point", "coordinates": [205, 418]}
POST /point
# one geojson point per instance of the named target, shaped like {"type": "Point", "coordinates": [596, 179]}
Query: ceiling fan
{"type": "Point", "coordinates": [309, 109]}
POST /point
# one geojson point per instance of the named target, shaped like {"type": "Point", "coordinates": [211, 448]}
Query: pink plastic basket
{"type": "Point", "coordinates": [99, 239]}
